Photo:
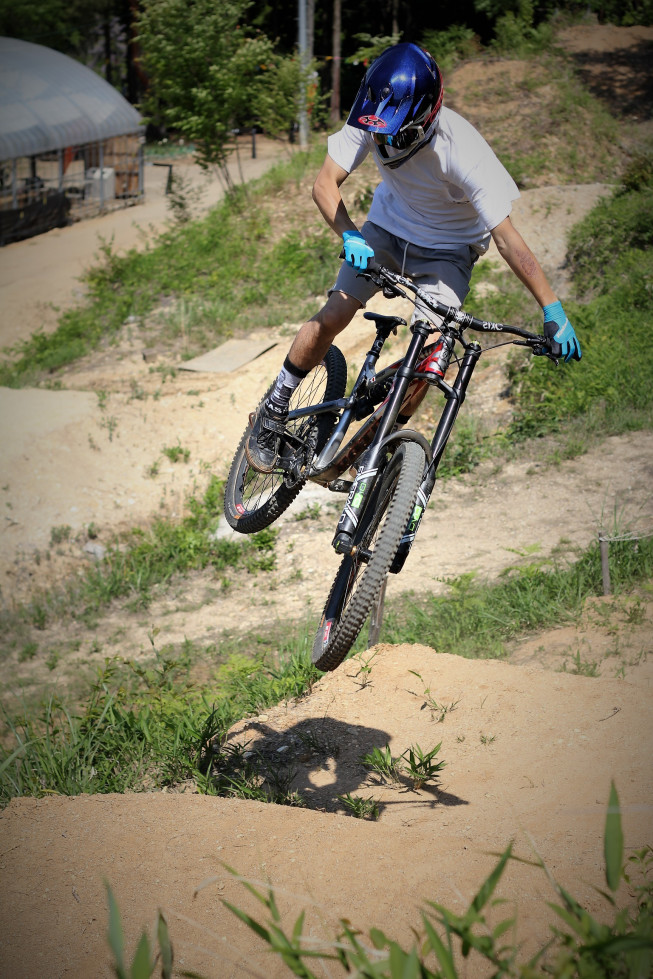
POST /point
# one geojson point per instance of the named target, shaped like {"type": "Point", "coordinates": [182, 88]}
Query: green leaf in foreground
{"type": "Point", "coordinates": [613, 841]}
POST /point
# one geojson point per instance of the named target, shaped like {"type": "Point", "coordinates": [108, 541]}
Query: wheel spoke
{"type": "Point", "coordinates": [254, 500]}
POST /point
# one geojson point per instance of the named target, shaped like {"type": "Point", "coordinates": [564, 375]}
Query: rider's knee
{"type": "Point", "coordinates": [336, 314]}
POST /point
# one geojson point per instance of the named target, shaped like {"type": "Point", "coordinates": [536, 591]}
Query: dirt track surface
{"type": "Point", "coordinates": [530, 750]}
{"type": "Point", "coordinates": [542, 777]}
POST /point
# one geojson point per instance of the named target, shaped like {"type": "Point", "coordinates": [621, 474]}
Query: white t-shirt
{"type": "Point", "coordinates": [453, 191]}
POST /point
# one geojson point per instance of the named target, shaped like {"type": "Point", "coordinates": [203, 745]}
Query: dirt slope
{"type": "Point", "coordinates": [542, 775]}
{"type": "Point", "coordinates": [530, 752]}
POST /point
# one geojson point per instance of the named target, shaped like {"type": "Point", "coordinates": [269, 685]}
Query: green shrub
{"type": "Point", "coordinates": [448, 47]}
{"type": "Point", "coordinates": [610, 254]}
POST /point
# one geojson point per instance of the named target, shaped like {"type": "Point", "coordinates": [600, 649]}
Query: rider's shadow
{"type": "Point", "coordinates": [318, 761]}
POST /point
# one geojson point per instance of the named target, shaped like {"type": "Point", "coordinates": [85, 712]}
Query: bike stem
{"type": "Point", "coordinates": [368, 466]}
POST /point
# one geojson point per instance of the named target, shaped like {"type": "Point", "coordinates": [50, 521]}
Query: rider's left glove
{"type": "Point", "coordinates": [558, 328]}
{"type": "Point", "coordinates": [358, 253]}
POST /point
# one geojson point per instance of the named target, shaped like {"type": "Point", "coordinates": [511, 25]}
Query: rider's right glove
{"type": "Point", "coordinates": [358, 253]}
{"type": "Point", "coordinates": [558, 328]}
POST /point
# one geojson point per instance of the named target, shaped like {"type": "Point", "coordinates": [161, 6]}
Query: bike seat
{"type": "Point", "coordinates": [388, 323]}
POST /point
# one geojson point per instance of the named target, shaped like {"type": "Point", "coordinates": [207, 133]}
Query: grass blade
{"type": "Point", "coordinates": [613, 841]}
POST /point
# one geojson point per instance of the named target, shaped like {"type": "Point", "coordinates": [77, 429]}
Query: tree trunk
{"type": "Point", "coordinates": [395, 17]}
{"type": "Point", "coordinates": [108, 73]}
{"type": "Point", "coordinates": [310, 30]}
{"type": "Point", "coordinates": [334, 114]}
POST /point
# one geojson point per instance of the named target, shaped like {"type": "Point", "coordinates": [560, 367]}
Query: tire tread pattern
{"type": "Point", "coordinates": [349, 623]}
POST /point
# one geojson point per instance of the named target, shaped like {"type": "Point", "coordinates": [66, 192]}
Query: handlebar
{"type": "Point", "coordinates": [393, 285]}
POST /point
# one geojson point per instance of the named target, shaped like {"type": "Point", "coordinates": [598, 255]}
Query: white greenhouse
{"type": "Point", "coordinates": [70, 144]}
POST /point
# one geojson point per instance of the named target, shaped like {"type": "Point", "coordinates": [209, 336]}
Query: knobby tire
{"type": "Point", "coordinates": [254, 500]}
{"type": "Point", "coordinates": [357, 584]}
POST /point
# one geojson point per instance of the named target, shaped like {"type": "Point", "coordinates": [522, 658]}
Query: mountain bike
{"type": "Point", "coordinates": [386, 470]}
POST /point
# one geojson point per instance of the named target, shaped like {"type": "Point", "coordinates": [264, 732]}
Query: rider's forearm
{"type": "Point", "coordinates": [333, 210]}
{"type": "Point", "coordinates": [516, 253]}
{"type": "Point", "coordinates": [326, 194]}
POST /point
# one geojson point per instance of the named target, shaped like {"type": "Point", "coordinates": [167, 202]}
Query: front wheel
{"type": "Point", "coordinates": [254, 500]}
{"type": "Point", "coordinates": [362, 573]}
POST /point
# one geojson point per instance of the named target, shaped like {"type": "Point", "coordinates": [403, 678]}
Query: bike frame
{"type": "Point", "coordinates": [410, 378]}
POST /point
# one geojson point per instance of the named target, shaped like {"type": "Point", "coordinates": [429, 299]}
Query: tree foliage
{"type": "Point", "coordinates": [212, 75]}
{"type": "Point", "coordinates": [70, 26]}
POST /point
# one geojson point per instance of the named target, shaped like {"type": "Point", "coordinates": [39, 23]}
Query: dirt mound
{"type": "Point", "coordinates": [529, 756]}
{"type": "Point", "coordinates": [615, 65]}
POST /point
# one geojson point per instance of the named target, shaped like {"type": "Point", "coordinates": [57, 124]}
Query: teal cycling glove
{"type": "Point", "coordinates": [358, 253]}
{"type": "Point", "coordinates": [558, 328]}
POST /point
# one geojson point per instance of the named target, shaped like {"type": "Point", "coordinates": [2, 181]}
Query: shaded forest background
{"type": "Point", "coordinates": [103, 33]}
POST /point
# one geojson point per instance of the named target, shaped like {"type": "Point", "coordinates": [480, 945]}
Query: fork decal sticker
{"type": "Point", "coordinates": [415, 518]}
{"type": "Point", "coordinates": [356, 496]}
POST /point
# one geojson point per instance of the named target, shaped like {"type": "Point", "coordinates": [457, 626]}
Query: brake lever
{"type": "Point", "coordinates": [538, 349]}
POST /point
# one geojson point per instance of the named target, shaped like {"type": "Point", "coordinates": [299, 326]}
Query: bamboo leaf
{"type": "Point", "coordinates": [488, 886]}
{"type": "Point", "coordinates": [116, 935]}
{"type": "Point", "coordinates": [250, 922]}
{"type": "Point", "coordinates": [142, 964]}
{"type": "Point", "coordinates": [442, 953]}
{"type": "Point", "coordinates": [165, 947]}
{"type": "Point", "coordinates": [613, 841]}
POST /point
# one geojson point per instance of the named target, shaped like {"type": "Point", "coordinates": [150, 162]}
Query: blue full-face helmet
{"type": "Point", "coordinates": [399, 99]}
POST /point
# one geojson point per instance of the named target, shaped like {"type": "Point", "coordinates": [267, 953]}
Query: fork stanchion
{"type": "Point", "coordinates": [376, 618]}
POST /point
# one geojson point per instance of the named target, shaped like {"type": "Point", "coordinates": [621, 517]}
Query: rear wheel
{"type": "Point", "coordinates": [254, 500]}
{"type": "Point", "coordinates": [361, 574]}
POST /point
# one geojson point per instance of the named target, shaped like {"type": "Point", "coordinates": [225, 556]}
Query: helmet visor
{"type": "Point", "coordinates": [402, 140]}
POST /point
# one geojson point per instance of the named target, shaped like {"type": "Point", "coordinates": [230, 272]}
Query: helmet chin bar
{"type": "Point", "coordinates": [406, 150]}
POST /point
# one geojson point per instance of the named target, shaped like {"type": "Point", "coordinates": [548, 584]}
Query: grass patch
{"type": "Point", "coordinates": [144, 559]}
{"type": "Point", "coordinates": [145, 727]}
{"type": "Point", "coordinates": [530, 101]}
{"type": "Point", "coordinates": [476, 620]}
{"type": "Point", "coordinates": [611, 253]}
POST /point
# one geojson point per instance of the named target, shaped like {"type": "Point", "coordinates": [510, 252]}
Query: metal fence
{"type": "Point", "coordinates": [54, 189]}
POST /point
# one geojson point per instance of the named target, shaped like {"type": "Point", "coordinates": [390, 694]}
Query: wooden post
{"type": "Point", "coordinates": [605, 565]}
{"type": "Point", "coordinates": [376, 619]}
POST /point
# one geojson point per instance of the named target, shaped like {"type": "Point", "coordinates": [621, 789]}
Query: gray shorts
{"type": "Point", "coordinates": [442, 272]}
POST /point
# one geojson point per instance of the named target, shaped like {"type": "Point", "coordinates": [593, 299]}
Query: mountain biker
{"type": "Point", "coordinates": [443, 195]}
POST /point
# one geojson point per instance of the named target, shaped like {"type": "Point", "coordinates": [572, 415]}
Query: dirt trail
{"type": "Point", "coordinates": [530, 751]}
{"type": "Point", "coordinates": [91, 461]}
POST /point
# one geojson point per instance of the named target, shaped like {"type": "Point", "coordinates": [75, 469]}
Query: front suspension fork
{"type": "Point", "coordinates": [455, 397]}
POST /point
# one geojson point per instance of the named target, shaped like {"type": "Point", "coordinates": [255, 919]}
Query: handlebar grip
{"type": "Point", "coordinates": [550, 330]}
